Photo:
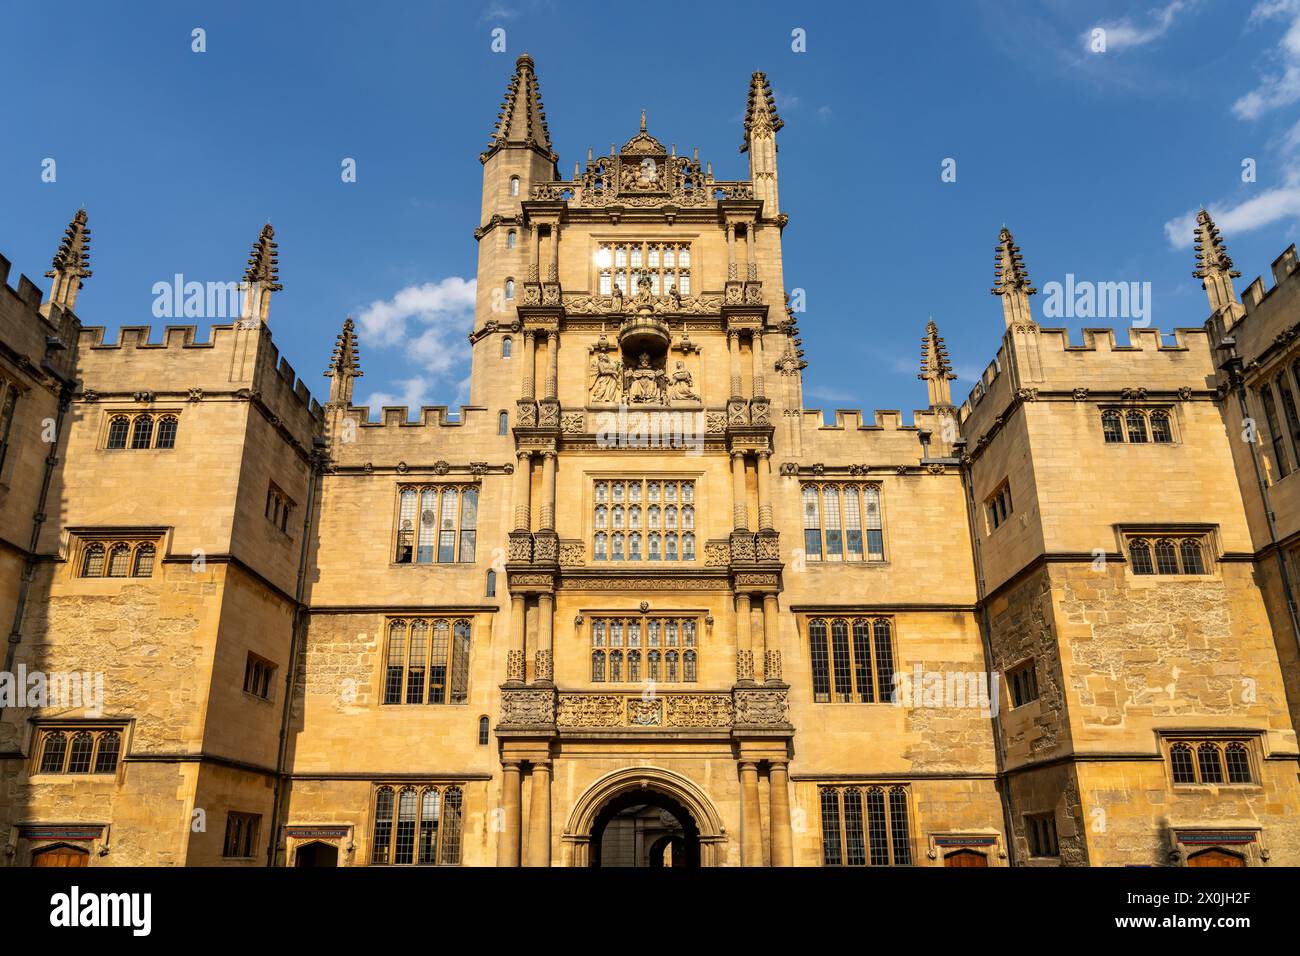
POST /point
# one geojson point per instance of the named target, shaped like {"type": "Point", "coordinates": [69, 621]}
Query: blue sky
{"type": "Point", "coordinates": [1094, 159]}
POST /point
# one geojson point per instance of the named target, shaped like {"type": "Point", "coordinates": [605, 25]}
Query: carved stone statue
{"type": "Point", "coordinates": [616, 298]}
{"type": "Point", "coordinates": [681, 389]}
{"type": "Point", "coordinates": [643, 383]}
{"type": "Point", "coordinates": [675, 297]}
{"type": "Point", "coordinates": [644, 297]}
{"type": "Point", "coordinates": [604, 383]}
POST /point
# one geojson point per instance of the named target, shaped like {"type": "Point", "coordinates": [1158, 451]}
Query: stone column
{"type": "Point", "coordinates": [508, 839]}
{"type": "Point", "coordinates": [771, 656]}
{"type": "Point", "coordinates": [552, 364]}
{"type": "Point", "coordinates": [744, 641]}
{"type": "Point", "coordinates": [731, 251]}
{"type": "Point", "coordinates": [751, 258]}
{"type": "Point", "coordinates": [535, 260]}
{"type": "Point", "coordinates": [547, 522]}
{"type": "Point", "coordinates": [543, 669]}
{"type": "Point", "coordinates": [778, 779]}
{"type": "Point", "coordinates": [758, 389]}
{"type": "Point", "coordinates": [515, 670]}
{"type": "Point", "coordinates": [553, 274]}
{"type": "Point", "coordinates": [764, 465]}
{"type": "Point", "coordinates": [539, 817]}
{"type": "Point", "coordinates": [733, 343]}
{"type": "Point", "coordinates": [739, 505]}
{"type": "Point", "coordinates": [523, 491]}
{"type": "Point", "coordinates": [530, 365]}
{"type": "Point", "coordinates": [751, 824]}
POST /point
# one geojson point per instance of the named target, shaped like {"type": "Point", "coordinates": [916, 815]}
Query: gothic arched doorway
{"type": "Point", "coordinates": [316, 855]}
{"type": "Point", "coordinates": [635, 827]}
{"type": "Point", "coordinates": [672, 816]}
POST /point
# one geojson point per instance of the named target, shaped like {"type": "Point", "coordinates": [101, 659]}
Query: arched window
{"type": "Point", "coordinates": [688, 517]}
{"type": "Point", "coordinates": [56, 748]}
{"type": "Point", "coordinates": [1161, 431]}
{"type": "Point", "coordinates": [616, 547]}
{"type": "Point", "coordinates": [119, 561]}
{"type": "Point", "coordinates": [634, 517]}
{"type": "Point", "coordinates": [670, 547]}
{"type": "Point", "coordinates": [653, 517]}
{"type": "Point", "coordinates": [383, 825]}
{"type": "Point", "coordinates": [92, 562]}
{"type": "Point", "coordinates": [688, 547]}
{"type": "Point", "coordinates": [514, 185]}
{"type": "Point", "coordinates": [483, 731]}
{"type": "Point", "coordinates": [597, 666]}
{"type": "Point", "coordinates": [654, 554]}
{"type": "Point", "coordinates": [166, 432]}
{"type": "Point", "coordinates": [1137, 426]}
{"type": "Point", "coordinates": [142, 432]}
{"type": "Point", "coordinates": [1166, 559]}
{"type": "Point", "coordinates": [1191, 552]}
{"type": "Point", "coordinates": [1238, 764]}
{"type": "Point", "coordinates": [1139, 551]}
{"type": "Point", "coordinates": [1211, 766]}
{"type": "Point", "coordinates": [144, 556]}
{"type": "Point", "coordinates": [616, 516]}
{"type": "Point", "coordinates": [812, 524]}
{"type": "Point", "coordinates": [633, 666]}
{"type": "Point", "coordinates": [510, 288]}
{"type": "Point", "coordinates": [491, 583]}
{"type": "Point", "coordinates": [507, 347]}
{"type": "Point", "coordinates": [503, 423]}
{"type": "Point", "coordinates": [670, 666]}
{"type": "Point", "coordinates": [511, 236]}
{"type": "Point", "coordinates": [688, 666]}
{"type": "Point", "coordinates": [821, 673]}
{"type": "Point", "coordinates": [117, 431]}
{"type": "Point", "coordinates": [601, 552]}
{"type": "Point", "coordinates": [110, 743]}
{"type": "Point", "coordinates": [634, 547]}
{"type": "Point", "coordinates": [396, 662]}
{"type": "Point", "coordinates": [1180, 757]}
{"type": "Point", "coordinates": [616, 666]}
{"type": "Point", "coordinates": [1275, 431]}
{"type": "Point", "coordinates": [1111, 429]}
{"type": "Point", "coordinates": [83, 745]}
{"type": "Point", "coordinates": [652, 666]}
{"type": "Point", "coordinates": [670, 517]}
{"type": "Point", "coordinates": [460, 663]}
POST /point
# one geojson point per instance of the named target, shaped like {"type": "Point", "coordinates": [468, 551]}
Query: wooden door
{"type": "Point", "coordinates": [60, 856]}
{"type": "Point", "coordinates": [1215, 857]}
{"type": "Point", "coordinates": [965, 858]}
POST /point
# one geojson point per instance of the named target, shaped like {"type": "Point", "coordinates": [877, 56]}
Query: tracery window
{"type": "Point", "coordinates": [1211, 762]}
{"type": "Point", "coordinates": [76, 750]}
{"type": "Point", "coordinates": [117, 558]}
{"type": "Point", "coordinates": [852, 659]}
{"type": "Point", "coordinates": [670, 646]}
{"type": "Point", "coordinates": [998, 506]}
{"type": "Point", "coordinates": [417, 825]}
{"type": "Point", "coordinates": [141, 430]}
{"type": "Point", "coordinates": [1280, 459]}
{"type": "Point", "coordinates": [278, 507]}
{"type": "Point", "coordinates": [650, 519]}
{"type": "Point", "coordinates": [1168, 554]}
{"type": "Point", "coordinates": [1137, 426]}
{"type": "Point", "coordinates": [842, 522]}
{"type": "Point", "coordinates": [241, 835]}
{"type": "Point", "coordinates": [437, 523]}
{"type": "Point", "coordinates": [865, 826]}
{"type": "Point", "coordinates": [427, 661]}
{"type": "Point", "coordinates": [665, 263]}
{"type": "Point", "coordinates": [8, 402]}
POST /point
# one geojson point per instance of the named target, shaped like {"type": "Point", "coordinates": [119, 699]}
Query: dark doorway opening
{"type": "Point", "coordinates": [316, 854]}
{"type": "Point", "coordinates": [644, 828]}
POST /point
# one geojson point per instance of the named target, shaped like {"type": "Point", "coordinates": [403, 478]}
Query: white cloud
{"type": "Point", "coordinates": [829, 394]}
{"type": "Point", "coordinates": [1124, 33]}
{"type": "Point", "coordinates": [414, 393]}
{"type": "Point", "coordinates": [1282, 86]}
{"type": "Point", "coordinates": [1265, 209]}
{"type": "Point", "coordinates": [428, 322]}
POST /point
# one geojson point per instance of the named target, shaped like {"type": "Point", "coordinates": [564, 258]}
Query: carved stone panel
{"type": "Point", "coordinates": [590, 710]}
{"type": "Point", "coordinates": [528, 708]}
{"type": "Point", "coordinates": [762, 708]}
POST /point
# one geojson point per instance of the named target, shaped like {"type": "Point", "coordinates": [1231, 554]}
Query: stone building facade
{"type": "Point", "coordinates": [635, 604]}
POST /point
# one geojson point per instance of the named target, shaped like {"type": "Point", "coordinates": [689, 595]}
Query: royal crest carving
{"type": "Point", "coordinates": [589, 710]}
{"type": "Point", "coordinates": [697, 710]}
{"type": "Point", "coordinates": [644, 712]}
{"type": "Point", "coordinates": [527, 708]}
{"type": "Point", "coordinates": [761, 708]}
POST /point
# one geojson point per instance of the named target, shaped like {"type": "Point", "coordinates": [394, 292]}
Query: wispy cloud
{"type": "Point", "coordinates": [1124, 34]}
{"type": "Point", "coordinates": [823, 394]}
{"type": "Point", "coordinates": [497, 11]}
{"type": "Point", "coordinates": [1281, 86]}
{"type": "Point", "coordinates": [1282, 202]}
{"type": "Point", "coordinates": [428, 322]}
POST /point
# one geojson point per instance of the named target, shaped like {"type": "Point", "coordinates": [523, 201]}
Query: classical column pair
{"type": "Point", "coordinates": [740, 495]}
{"type": "Point", "coordinates": [745, 663]}
{"type": "Point", "coordinates": [537, 849]}
{"type": "Point", "coordinates": [780, 845]}
{"type": "Point", "coordinates": [529, 388]}
{"type": "Point", "coordinates": [524, 490]}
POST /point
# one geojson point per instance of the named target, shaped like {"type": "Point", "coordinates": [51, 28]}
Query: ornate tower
{"type": "Point", "coordinates": [1214, 268]}
{"type": "Point", "coordinates": [936, 369]}
{"type": "Point", "coordinates": [261, 278]}
{"type": "Point", "coordinates": [1011, 281]}
{"type": "Point", "coordinates": [71, 263]}
{"type": "Point", "coordinates": [761, 126]}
